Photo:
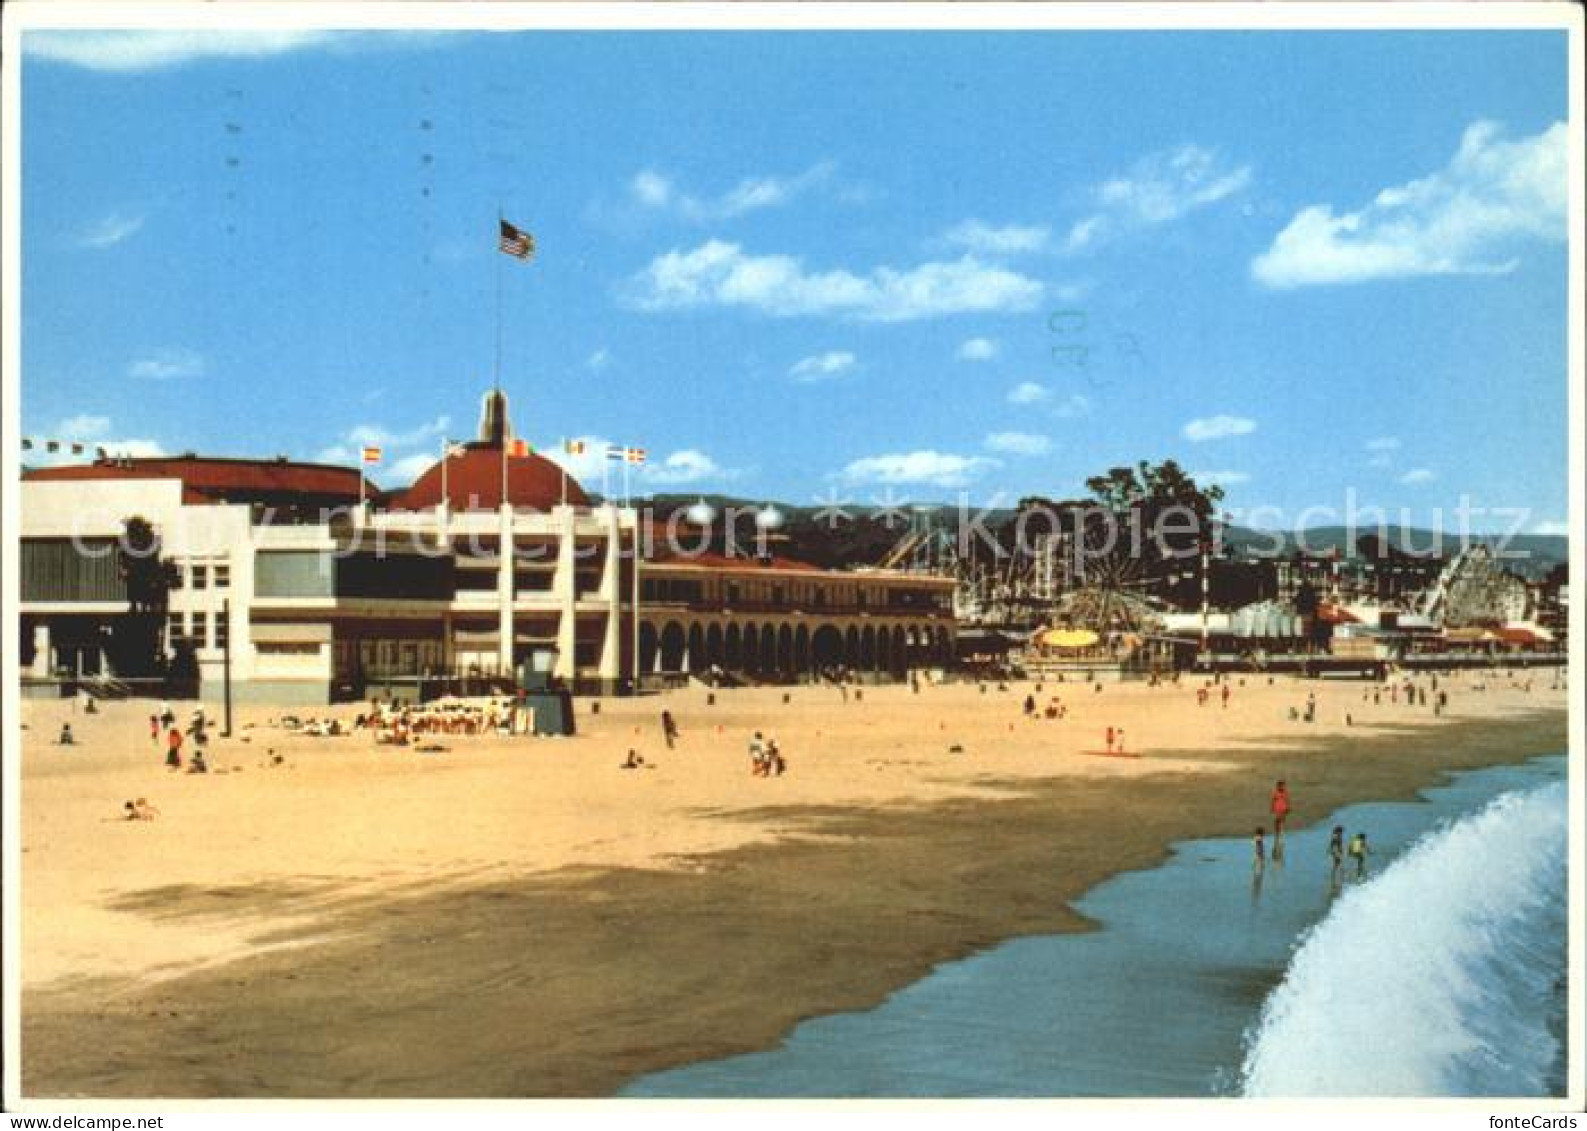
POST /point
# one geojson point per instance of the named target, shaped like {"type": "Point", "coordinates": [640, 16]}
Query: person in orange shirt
{"type": "Point", "coordinates": [1280, 807]}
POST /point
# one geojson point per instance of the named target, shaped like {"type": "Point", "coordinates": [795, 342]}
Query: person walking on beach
{"type": "Point", "coordinates": [1336, 849]}
{"type": "Point", "coordinates": [1226, 696]}
{"type": "Point", "coordinates": [1279, 805]}
{"type": "Point", "coordinates": [1109, 737]}
{"type": "Point", "coordinates": [1358, 852]}
{"type": "Point", "coordinates": [1119, 742]}
{"type": "Point", "coordinates": [1030, 706]}
{"type": "Point", "coordinates": [669, 728]}
{"type": "Point", "coordinates": [757, 755]}
{"type": "Point", "coordinates": [173, 752]}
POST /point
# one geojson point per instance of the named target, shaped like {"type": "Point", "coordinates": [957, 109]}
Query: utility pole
{"type": "Point", "coordinates": [1206, 553]}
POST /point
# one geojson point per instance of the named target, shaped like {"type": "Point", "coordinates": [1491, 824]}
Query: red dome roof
{"type": "Point", "coordinates": [473, 482]}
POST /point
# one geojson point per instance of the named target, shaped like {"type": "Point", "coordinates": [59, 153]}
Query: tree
{"type": "Point", "coordinates": [149, 579]}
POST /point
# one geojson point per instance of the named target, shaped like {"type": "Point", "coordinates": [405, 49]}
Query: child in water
{"type": "Point", "coordinates": [1256, 842]}
{"type": "Point", "coordinates": [1359, 853]}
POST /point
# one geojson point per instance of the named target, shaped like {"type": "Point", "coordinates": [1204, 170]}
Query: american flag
{"type": "Point", "coordinates": [515, 242]}
{"type": "Point", "coordinates": [614, 452]}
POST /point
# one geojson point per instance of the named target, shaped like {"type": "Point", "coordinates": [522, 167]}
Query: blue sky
{"type": "Point", "coordinates": [819, 266]}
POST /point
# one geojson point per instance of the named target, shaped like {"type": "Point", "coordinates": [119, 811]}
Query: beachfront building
{"type": "Point", "coordinates": [302, 583]}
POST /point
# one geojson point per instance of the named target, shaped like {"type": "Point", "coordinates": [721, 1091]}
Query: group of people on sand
{"type": "Point", "coordinates": [197, 729]}
{"type": "Point", "coordinates": [1055, 708]}
{"type": "Point", "coordinates": [394, 724]}
{"type": "Point", "coordinates": [765, 757]}
{"type": "Point", "coordinates": [1280, 806]}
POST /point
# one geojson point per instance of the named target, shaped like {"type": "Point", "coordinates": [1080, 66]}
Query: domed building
{"type": "Point", "coordinates": [471, 477]}
{"type": "Point", "coordinates": [307, 584]}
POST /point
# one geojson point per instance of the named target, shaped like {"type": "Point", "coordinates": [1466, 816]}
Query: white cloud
{"type": "Point", "coordinates": [109, 231]}
{"type": "Point", "coordinates": [718, 273]}
{"type": "Point", "coordinates": [167, 365]}
{"type": "Point", "coordinates": [1383, 444]}
{"type": "Point", "coordinates": [1019, 443]}
{"type": "Point", "coordinates": [686, 466]}
{"type": "Point", "coordinates": [90, 433]}
{"type": "Point", "coordinates": [409, 468]}
{"type": "Point", "coordinates": [1162, 186]}
{"type": "Point", "coordinates": [127, 51]}
{"type": "Point", "coordinates": [84, 427]}
{"type": "Point", "coordinates": [651, 189]}
{"type": "Point", "coordinates": [1466, 218]}
{"type": "Point", "coordinates": [1028, 392]}
{"type": "Point", "coordinates": [349, 449]}
{"type": "Point", "coordinates": [939, 469]}
{"type": "Point", "coordinates": [1075, 404]}
{"type": "Point", "coordinates": [983, 239]}
{"type": "Point", "coordinates": [1417, 476]}
{"type": "Point", "coordinates": [599, 360]}
{"type": "Point", "coordinates": [588, 467]}
{"type": "Point", "coordinates": [655, 190]}
{"type": "Point", "coordinates": [820, 367]}
{"type": "Point", "coordinates": [1217, 427]}
{"type": "Point", "coordinates": [1221, 478]}
{"type": "Point", "coordinates": [978, 349]}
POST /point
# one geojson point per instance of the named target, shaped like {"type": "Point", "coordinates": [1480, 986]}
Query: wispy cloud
{"type": "Point", "coordinates": [1162, 186]}
{"type": "Point", "coordinates": [822, 366]}
{"type": "Point", "coordinates": [984, 239]}
{"type": "Point", "coordinates": [1028, 392]}
{"type": "Point", "coordinates": [1218, 427]}
{"type": "Point", "coordinates": [978, 349]}
{"type": "Point", "coordinates": [1221, 478]}
{"type": "Point", "coordinates": [1417, 476]}
{"type": "Point", "coordinates": [109, 231]}
{"type": "Point", "coordinates": [348, 448]}
{"type": "Point", "coordinates": [718, 273]}
{"type": "Point", "coordinates": [128, 51]}
{"type": "Point", "coordinates": [690, 465]}
{"type": "Point", "coordinates": [1467, 218]}
{"type": "Point", "coordinates": [938, 469]}
{"type": "Point", "coordinates": [410, 467]}
{"type": "Point", "coordinates": [1075, 404]}
{"type": "Point", "coordinates": [84, 427]}
{"type": "Point", "coordinates": [1019, 443]}
{"type": "Point", "coordinates": [167, 365]}
{"type": "Point", "coordinates": [1557, 527]}
{"type": "Point", "coordinates": [599, 360]}
{"type": "Point", "coordinates": [654, 190]}
{"type": "Point", "coordinates": [92, 433]}
{"type": "Point", "coordinates": [1383, 444]}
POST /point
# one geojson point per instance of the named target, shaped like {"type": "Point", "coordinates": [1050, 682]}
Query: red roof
{"type": "Point", "coordinates": [473, 482]}
{"type": "Point", "coordinates": [1518, 636]}
{"type": "Point", "coordinates": [212, 480]}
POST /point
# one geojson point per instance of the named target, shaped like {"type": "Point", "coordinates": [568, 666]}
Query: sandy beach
{"type": "Point", "coordinates": [520, 917]}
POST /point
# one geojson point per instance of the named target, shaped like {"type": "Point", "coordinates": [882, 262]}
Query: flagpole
{"type": "Point", "coordinates": [564, 463]}
{"type": "Point", "coordinates": [500, 219]}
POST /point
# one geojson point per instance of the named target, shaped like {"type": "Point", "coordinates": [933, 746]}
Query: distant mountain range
{"type": "Point", "coordinates": [811, 531]}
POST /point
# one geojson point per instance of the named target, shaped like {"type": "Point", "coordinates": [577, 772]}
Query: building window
{"type": "Point", "coordinates": [173, 628]}
{"type": "Point", "coordinates": [201, 630]}
{"type": "Point", "coordinates": [223, 577]}
{"type": "Point", "coordinates": [286, 648]}
{"type": "Point", "coordinates": [200, 577]}
{"type": "Point", "coordinates": [222, 630]}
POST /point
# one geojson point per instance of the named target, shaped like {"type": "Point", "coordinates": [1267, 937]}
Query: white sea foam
{"type": "Point", "coordinates": [1440, 976]}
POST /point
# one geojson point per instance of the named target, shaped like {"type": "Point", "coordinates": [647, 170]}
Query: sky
{"type": "Point", "coordinates": [1316, 268]}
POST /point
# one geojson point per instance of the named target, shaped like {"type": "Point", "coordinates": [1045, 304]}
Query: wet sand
{"type": "Point", "coordinates": [522, 918]}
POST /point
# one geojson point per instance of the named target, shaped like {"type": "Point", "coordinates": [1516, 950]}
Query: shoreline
{"type": "Point", "coordinates": [576, 980]}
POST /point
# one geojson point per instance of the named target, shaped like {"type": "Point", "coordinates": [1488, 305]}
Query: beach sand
{"type": "Point", "coordinates": [520, 917]}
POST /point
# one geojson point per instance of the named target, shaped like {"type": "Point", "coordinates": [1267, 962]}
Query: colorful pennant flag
{"type": "Point", "coordinates": [634, 455]}
{"type": "Point", "coordinates": [372, 455]}
{"type": "Point", "coordinates": [520, 449]}
{"type": "Point", "coordinates": [573, 447]}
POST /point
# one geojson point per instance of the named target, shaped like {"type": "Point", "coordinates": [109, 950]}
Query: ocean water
{"type": "Point", "coordinates": [1440, 973]}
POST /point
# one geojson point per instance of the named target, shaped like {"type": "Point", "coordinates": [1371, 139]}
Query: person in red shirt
{"type": "Point", "coordinates": [1280, 807]}
{"type": "Point", "coordinates": [173, 756]}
